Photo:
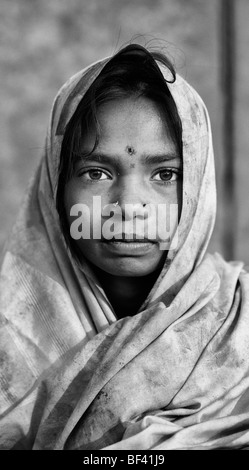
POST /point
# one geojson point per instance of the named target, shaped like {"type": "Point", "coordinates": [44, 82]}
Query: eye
{"type": "Point", "coordinates": [166, 175]}
{"type": "Point", "coordinates": [94, 174]}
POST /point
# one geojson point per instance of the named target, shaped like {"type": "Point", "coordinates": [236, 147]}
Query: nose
{"type": "Point", "coordinates": [131, 197]}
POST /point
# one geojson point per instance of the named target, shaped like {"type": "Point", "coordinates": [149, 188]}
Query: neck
{"type": "Point", "coordinates": [126, 294]}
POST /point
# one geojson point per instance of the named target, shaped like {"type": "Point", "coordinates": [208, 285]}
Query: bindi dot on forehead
{"type": "Point", "coordinates": [130, 150]}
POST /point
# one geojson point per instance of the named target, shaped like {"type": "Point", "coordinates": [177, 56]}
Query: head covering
{"type": "Point", "coordinates": [89, 380]}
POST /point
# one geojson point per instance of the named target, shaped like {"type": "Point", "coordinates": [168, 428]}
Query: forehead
{"type": "Point", "coordinates": [131, 123]}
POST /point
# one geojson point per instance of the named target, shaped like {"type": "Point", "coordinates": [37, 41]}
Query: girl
{"type": "Point", "coordinates": [118, 330]}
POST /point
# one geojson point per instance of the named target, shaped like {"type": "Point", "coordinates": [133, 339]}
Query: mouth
{"type": "Point", "coordinates": [126, 238]}
{"type": "Point", "coordinates": [129, 247]}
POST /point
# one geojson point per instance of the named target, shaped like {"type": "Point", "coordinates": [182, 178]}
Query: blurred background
{"type": "Point", "coordinates": [44, 42]}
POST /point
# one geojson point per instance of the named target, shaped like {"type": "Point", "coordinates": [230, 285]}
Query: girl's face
{"type": "Point", "coordinates": [136, 163]}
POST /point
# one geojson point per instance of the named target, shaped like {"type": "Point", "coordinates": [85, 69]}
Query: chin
{"type": "Point", "coordinates": [127, 268]}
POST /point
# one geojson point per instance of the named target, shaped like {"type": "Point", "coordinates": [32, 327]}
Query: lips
{"type": "Point", "coordinates": [126, 238]}
{"type": "Point", "coordinates": [131, 247]}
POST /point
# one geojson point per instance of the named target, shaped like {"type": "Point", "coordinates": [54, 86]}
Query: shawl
{"type": "Point", "coordinates": [73, 375]}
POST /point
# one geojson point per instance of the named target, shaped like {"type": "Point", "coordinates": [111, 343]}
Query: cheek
{"type": "Point", "coordinates": [73, 196]}
{"type": "Point", "coordinates": [167, 215]}
{"type": "Point", "coordinates": [171, 196]}
{"type": "Point", "coordinates": [83, 212]}
{"type": "Point", "coordinates": [175, 197]}
{"type": "Point", "coordinates": [92, 195]}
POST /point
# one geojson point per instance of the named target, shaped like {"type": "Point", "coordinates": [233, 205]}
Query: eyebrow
{"type": "Point", "coordinates": [147, 159]}
{"type": "Point", "coordinates": [161, 158]}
